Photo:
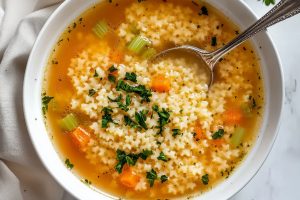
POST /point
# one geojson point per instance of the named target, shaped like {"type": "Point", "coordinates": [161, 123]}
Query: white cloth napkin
{"type": "Point", "coordinates": [22, 176]}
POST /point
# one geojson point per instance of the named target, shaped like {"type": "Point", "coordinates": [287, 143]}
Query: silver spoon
{"type": "Point", "coordinates": [283, 10]}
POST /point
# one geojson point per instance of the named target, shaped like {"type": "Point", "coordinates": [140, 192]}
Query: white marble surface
{"type": "Point", "coordinates": [279, 177]}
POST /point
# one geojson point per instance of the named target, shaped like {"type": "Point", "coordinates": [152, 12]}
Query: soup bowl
{"type": "Point", "coordinates": [237, 12]}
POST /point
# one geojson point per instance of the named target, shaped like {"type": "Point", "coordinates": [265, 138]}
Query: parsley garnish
{"type": "Point", "coordinates": [106, 117]}
{"type": "Point", "coordinates": [205, 179]}
{"type": "Point", "coordinates": [162, 157]}
{"type": "Point", "coordinates": [92, 92]}
{"type": "Point", "coordinates": [141, 118]}
{"type": "Point", "coordinates": [69, 164]}
{"type": "Point", "coordinates": [214, 41]}
{"type": "Point", "coordinates": [151, 176]}
{"type": "Point", "coordinates": [45, 101]}
{"type": "Point", "coordinates": [163, 178]}
{"type": "Point", "coordinates": [129, 159]}
{"type": "Point", "coordinates": [218, 134]}
{"type": "Point", "coordinates": [164, 117]}
{"type": "Point", "coordinates": [111, 78]}
{"type": "Point", "coordinates": [131, 77]}
{"type": "Point", "coordinates": [175, 132]}
{"type": "Point", "coordinates": [118, 100]}
{"type": "Point", "coordinates": [112, 69]}
{"type": "Point", "coordinates": [141, 90]}
{"type": "Point", "coordinates": [268, 2]}
{"type": "Point", "coordinates": [145, 154]}
{"type": "Point", "coordinates": [129, 122]}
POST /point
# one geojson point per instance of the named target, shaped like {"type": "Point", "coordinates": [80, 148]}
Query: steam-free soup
{"type": "Point", "coordinates": [150, 130]}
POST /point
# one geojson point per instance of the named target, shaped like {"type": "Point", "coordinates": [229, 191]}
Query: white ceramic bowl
{"type": "Point", "coordinates": [238, 12]}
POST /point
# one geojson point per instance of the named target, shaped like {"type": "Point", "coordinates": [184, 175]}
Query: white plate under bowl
{"type": "Point", "coordinates": [238, 12]}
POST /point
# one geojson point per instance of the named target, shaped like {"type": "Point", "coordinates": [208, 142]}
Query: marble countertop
{"type": "Point", "coordinates": [279, 177]}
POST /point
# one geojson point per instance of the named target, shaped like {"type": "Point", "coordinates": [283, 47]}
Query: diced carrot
{"type": "Point", "coordinates": [128, 178]}
{"type": "Point", "coordinates": [160, 83]}
{"type": "Point", "coordinates": [233, 116]}
{"type": "Point", "coordinates": [218, 142]}
{"type": "Point", "coordinates": [116, 56]}
{"type": "Point", "coordinates": [80, 137]}
{"type": "Point", "coordinates": [199, 133]}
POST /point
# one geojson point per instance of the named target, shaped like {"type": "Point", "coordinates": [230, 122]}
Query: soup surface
{"type": "Point", "coordinates": [138, 129]}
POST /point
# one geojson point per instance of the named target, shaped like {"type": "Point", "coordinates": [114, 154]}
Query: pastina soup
{"type": "Point", "coordinates": [143, 130]}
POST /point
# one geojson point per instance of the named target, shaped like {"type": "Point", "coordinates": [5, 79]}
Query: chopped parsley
{"type": "Point", "coordinates": [164, 117]}
{"type": "Point", "coordinates": [69, 164]}
{"type": "Point", "coordinates": [122, 106]}
{"type": "Point", "coordinates": [141, 118]}
{"type": "Point", "coordinates": [92, 92]}
{"type": "Point", "coordinates": [205, 179]}
{"type": "Point", "coordinates": [162, 157]}
{"type": "Point", "coordinates": [214, 41]}
{"type": "Point", "coordinates": [106, 117]}
{"type": "Point", "coordinates": [145, 154]}
{"type": "Point", "coordinates": [129, 122]}
{"type": "Point", "coordinates": [111, 78]}
{"type": "Point", "coordinates": [130, 158]}
{"type": "Point", "coordinates": [176, 132]}
{"type": "Point", "coordinates": [131, 77]}
{"type": "Point", "coordinates": [268, 2]}
{"type": "Point", "coordinates": [163, 178]}
{"type": "Point", "coordinates": [218, 134]}
{"type": "Point", "coordinates": [45, 101]}
{"type": "Point", "coordinates": [151, 177]}
{"type": "Point", "coordinates": [141, 90]}
{"type": "Point", "coordinates": [112, 69]}
{"type": "Point", "coordinates": [86, 181]}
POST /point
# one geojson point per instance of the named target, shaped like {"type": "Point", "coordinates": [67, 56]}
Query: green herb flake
{"type": "Point", "coordinates": [164, 118]}
{"type": "Point", "coordinates": [124, 158]}
{"type": "Point", "coordinates": [131, 77]}
{"type": "Point", "coordinates": [86, 181]}
{"type": "Point", "coordinates": [175, 132]}
{"type": "Point", "coordinates": [140, 90]}
{"type": "Point", "coordinates": [106, 117]}
{"type": "Point", "coordinates": [112, 69]}
{"type": "Point", "coordinates": [69, 164]}
{"type": "Point", "coordinates": [162, 157]}
{"type": "Point", "coordinates": [269, 2]}
{"type": "Point", "coordinates": [129, 122]}
{"type": "Point", "coordinates": [141, 118]}
{"type": "Point", "coordinates": [151, 176]}
{"type": "Point", "coordinates": [219, 134]}
{"type": "Point", "coordinates": [214, 41]}
{"type": "Point", "coordinates": [96, 74]}
{"type": "Point", "coordinates": [163, 178]}
{"type": "Point", "coordinates": [145, 154]}
{"type": "Point", "coordinates": [253, 103]}
{"type": "Point", "coordinates": [92, 92]}
{"type": "Point", "coordinates": [111, 78]}
{"type": "Point", "coordinates": [205, 179]}
{"type": "Point", "coordinates": [45, 101]}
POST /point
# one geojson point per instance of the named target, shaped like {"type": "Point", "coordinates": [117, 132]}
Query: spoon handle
{"type": "Point", "coordinates": [283, 10]}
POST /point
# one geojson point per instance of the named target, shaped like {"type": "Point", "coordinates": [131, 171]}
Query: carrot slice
{"type": "Point", "coordinates": [198, 133]}
{"type": "Point", "coordinates": [233, 116]}
{"type": "Point", "coordinates": [80, 137]}
{"type": "Point", "coordinates": [218, 142]}
{"type": "Point", "coordinates": [128, 178]}
{"type": "Point", "coordinates": [160, 83]}
{"type": "Point", "coordinates": [116, 56]}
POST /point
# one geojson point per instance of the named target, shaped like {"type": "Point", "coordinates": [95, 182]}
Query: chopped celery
{"type": "Point", "coordinates": [149, 53]}
{"type": "Point", "coordinates": [237, 136]}
{"type": "Point", "coordinates": [101, 28]}
{"type": "Point", "coordinates": [138, 44]}
{"type": "Point", "coordinates": [69, 122]}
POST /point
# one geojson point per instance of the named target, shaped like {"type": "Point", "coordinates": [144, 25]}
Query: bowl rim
{"type": "Point", "coordinates": [34, 141]}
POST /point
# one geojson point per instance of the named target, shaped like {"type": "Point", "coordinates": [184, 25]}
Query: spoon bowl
{"type": "Point", "coordinates": [283, 10]}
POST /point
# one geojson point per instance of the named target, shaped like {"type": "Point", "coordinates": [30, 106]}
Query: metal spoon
{"type": "Point", "coordinates": [283, 10]}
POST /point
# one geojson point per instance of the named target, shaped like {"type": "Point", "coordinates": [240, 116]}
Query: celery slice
{"type": "Point", "coordinates": [149, 53]}
{"type": "Point", "coordinates": [237, 136]}
{"type": "Point", "coordinates": [69, 122]}
{"type": "Point", "coordinates": [138, 44]}
{"type": "Point", "coordinates": [101, 28]}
